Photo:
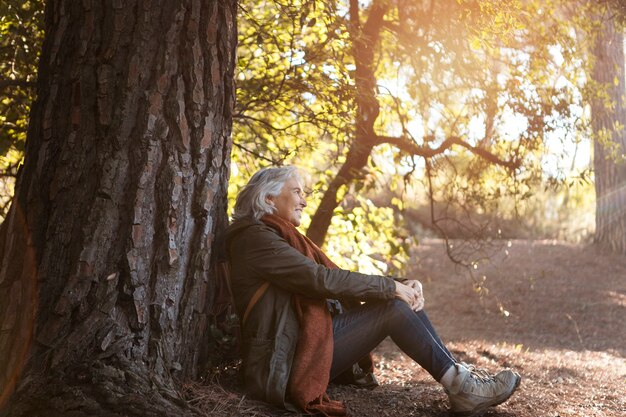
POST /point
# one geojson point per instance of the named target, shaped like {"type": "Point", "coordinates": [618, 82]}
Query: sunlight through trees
{"type": "Point", "coordinates": [456, 114]}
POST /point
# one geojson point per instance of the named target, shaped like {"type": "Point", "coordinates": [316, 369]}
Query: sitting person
{"type": "Point", "coordinates": [293, 344]}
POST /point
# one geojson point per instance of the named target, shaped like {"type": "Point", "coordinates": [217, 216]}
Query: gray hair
{"type": "Point", "coordinates": [268, 182]}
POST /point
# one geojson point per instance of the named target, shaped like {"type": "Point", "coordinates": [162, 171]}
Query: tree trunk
{"type": "Point", "coordinates": [609, 153]}
{"type": "Point", "coordinates": [364, 40]}
{"type": "Point", "coordinates": [105, 268]}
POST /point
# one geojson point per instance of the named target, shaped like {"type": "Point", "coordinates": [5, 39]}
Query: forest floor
{"type": "Point", "coordinates": [553, 311]}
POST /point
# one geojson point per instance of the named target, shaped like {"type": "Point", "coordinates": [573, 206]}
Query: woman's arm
{"type": "Point", "coordinates": [262, 253]}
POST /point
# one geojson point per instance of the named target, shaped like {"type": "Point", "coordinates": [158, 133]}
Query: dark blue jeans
{"type": "Point", "coordinates": [358, 331]}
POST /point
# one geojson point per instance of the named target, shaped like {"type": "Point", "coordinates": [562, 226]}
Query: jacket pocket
{"type": "Point", "coordinates": [256, 366]}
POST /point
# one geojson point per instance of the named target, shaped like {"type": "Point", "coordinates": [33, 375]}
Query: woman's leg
{"type": "Point", "coordinates": [358, 331]}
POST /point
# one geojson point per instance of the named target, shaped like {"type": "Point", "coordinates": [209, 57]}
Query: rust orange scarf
{"type": "Point", "coordinates": [310, 371]}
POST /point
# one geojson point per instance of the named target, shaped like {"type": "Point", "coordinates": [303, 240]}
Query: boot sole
{"type": "Point", "coordinates": [478, 411]}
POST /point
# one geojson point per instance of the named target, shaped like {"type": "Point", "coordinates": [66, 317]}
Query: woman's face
{"type": "Point", "coordinates": [290, 202]}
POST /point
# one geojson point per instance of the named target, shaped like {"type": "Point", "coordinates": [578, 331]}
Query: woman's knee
{"type": "Point", "coordinates": [398, 307]}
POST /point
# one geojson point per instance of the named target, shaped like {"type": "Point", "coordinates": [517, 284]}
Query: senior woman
{"type": "Point", "coordinates": [296, 337]}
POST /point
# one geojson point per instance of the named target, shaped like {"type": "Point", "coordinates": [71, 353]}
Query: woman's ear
{"type": "Point", "coordinates": [269, 200]}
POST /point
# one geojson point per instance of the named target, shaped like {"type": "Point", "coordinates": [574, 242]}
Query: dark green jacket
{"type": "Point", "coordinates": [269, 336]}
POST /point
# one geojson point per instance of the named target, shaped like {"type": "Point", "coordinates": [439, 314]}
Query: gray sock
{"type": "Point", "coordinates": [448, 378]}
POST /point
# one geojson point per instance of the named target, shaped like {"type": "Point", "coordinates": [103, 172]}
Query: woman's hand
{"type": "Point", "coordinates": [411, 293]}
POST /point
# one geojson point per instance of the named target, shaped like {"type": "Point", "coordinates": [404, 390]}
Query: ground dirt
{"type": "Point", "coordinates": [553, 311]}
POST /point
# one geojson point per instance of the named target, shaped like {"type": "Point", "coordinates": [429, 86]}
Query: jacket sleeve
{"type": "Point", "coordinates": [271, 258]}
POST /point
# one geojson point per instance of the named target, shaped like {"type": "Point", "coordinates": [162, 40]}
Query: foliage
{"type": "Point", "coordinates": [21, 36]}
{"type": "Point", "coordinates": [488, 95]}
{"type": "Point", "coordinates": [507, 80]}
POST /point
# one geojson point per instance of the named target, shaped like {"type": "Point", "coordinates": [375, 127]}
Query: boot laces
{"type": "Point", "coordinates": [478, 373]}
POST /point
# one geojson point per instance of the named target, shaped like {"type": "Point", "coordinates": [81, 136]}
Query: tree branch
{"type": "Point", "coordinates": [271, 127]}
{"type": "Point", "coordinates": [414, 149]}
{"type": "Point", "coordinates": [256, 154]}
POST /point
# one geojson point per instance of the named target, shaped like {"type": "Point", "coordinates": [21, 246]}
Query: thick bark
{"type": "Point", "coordinates": [609, 161]}
{"type": "Point", "coordinates": [106, 251]}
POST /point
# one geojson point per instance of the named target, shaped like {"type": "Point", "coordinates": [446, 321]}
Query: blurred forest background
{"type": "Point", "coordinates": [465, 119]}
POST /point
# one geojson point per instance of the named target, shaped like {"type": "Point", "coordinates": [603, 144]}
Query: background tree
{"type": "Point", "coordinates": [105, 273]}
{"type": "Point", "coordinates": [459, 98]}
{"type": "Point", "coordinates": [608, 113]}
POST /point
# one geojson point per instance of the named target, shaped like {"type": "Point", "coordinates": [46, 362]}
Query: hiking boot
{"type": "Point", "coordinates": [474, 390]}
